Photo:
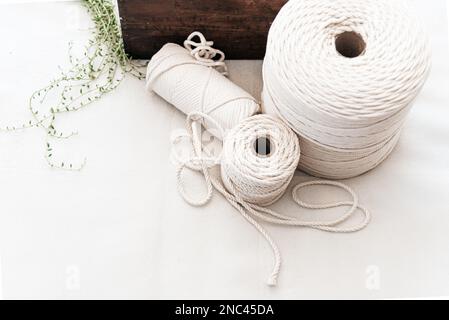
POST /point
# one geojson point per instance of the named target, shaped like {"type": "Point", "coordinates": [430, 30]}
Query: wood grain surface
{"type": "Point", "coordinates": [238, 27]}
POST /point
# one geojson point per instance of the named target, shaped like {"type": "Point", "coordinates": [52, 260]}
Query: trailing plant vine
{"type": "Point", "coordinates": [100, 70]}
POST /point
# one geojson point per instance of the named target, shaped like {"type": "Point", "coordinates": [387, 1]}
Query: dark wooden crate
{"type": "Point", "coordinates": [238, 27]}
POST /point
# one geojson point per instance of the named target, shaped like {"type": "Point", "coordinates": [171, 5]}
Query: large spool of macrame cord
{"type": "Point", "coordinates": [344, 75]}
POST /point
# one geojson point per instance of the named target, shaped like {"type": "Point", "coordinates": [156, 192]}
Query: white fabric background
{"type": "Point", "coordinates": [118, 229]}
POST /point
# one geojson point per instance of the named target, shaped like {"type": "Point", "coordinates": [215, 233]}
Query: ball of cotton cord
{"type": "Point", "coordinates": [260, 157]}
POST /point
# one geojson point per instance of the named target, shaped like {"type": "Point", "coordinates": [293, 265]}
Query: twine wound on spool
{"type": "Point", "coordinates": [343, 74]}
{"type": "Point", "coordinates": [193, 78]}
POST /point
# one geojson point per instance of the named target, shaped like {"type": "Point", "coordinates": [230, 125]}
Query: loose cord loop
{"type": "Point", "coordinates": [205, 54]}
{"type": "Point", "coordinates": [198, 162]}
{"type": "Point", "coordinates": [249, 211]}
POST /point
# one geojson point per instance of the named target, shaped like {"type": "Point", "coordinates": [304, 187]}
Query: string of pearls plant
{"type": "Point", "coordinates": [100, 70]}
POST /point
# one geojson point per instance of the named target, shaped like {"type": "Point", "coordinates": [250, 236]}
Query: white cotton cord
{"type": "Point", "coordinates": [250, 181]}
{"type": "Point", "coordinates": [193, 79]}
{"type": "Point", "coordinates": [259, 178]}
{"type": "Point", "coordinates": [204, 53]}
{"type": "Point", "coordinates": [199, 162]}
{"type": "Point", "coordinates": [343, 74]}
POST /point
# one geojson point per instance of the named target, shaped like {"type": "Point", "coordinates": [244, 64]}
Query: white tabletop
{"type": "Point", "coordinates": [118, 229]}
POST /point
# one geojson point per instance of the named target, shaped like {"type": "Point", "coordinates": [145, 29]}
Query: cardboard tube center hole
{"type": "Point", "coordinates": [350, 44]}
{"type": "Point", "coordinates": [263, 147]}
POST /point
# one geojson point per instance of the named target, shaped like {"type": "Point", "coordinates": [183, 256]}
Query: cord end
{"type": "Point", "coordinates": [272, 281]}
